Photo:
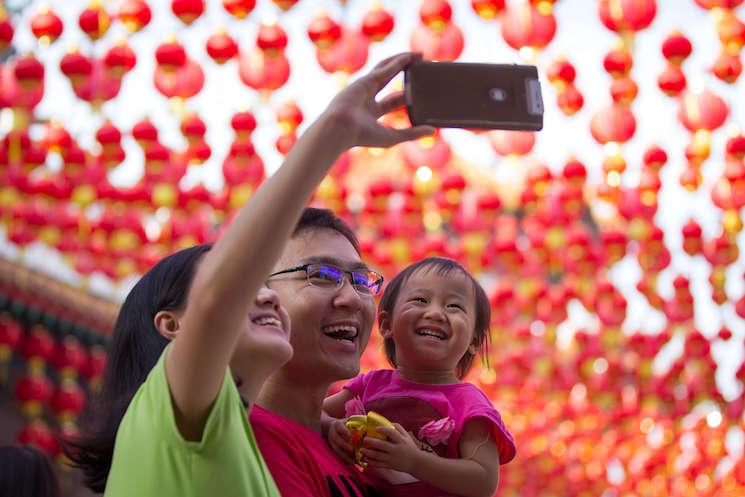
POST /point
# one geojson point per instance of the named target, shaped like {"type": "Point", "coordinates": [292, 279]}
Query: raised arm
{"type": "Point", "coordinates": [228, 279]}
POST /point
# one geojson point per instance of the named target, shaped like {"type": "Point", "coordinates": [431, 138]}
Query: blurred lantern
{"type": "Point", "coordinates": [184, 83]}
{"type": "Point", "coordinates": [94, 21]}
{"type": "Point", "coordinates": [721, 4]}
{"type": "Point", "coordinates": [239, 8]}
{"type": "Point", "coordinates": [76, 66]}
{"type": "Point", "coordinates": [512, 142]}
{"type": "Point", "coordinates": [134, 14]}
{"type": "Point", "coordinates": [727, 67]}
{"type": "Point", "coordinates": [38, 434]}
{"type": "Point", "coordinates": [377, 23]}
{"type": "Point", "coordinates": [570, 100]}
{"type": "Point", "coordinates": [170, 55]}
{"type": "Point", "coordinates": [347, 55]}
{"type": "Point", "coordinates": [528, 27]}
{"type": "Point", "coordinates": [285, 4]}
{"type": "Point", "coordinates": [676, 48]}
{"type": "Point", "coordinates": [271, 38]}
{"type": "Point", "coordinates": [614, 123]}
{"type": "Point", "coordinates": [702, 111]}
{"type": "Point", "coordinates": [193, 128]}
{"type": "Point", "coordinates": [243, 123]}
{"type": "Point", "coordinates": [672, 81]}
{"type": "Point", "coordinates": [692, 241]}
{"type": "Point", "coordinates": [33, 391]}
{"type": "Point", "coordinates": [187, 11]}
{"type": "Point", "coordinates": [6, 31]}
{"type": "Point", "coordinates": [100, 86]}
{"type": "Point", "coordinates": [29, 72]}
{"type": "Point", "coordinates": [655, 157]}
{"type": "Point", "coordinates": [561, 74]}
{"type": "Point", "coordinates": [68, 400]}
{"type": "Point", "coordinates": [623, 90]}
{"type": "Point", "coordinates": [618, 62]}
{"type": "Point", "coordinates": [46, 25]}
{"type": "Point", "coordinates": [289, 116]}
{"type": "Point", "coordinates": [10, 338]}
{"type": "Point", "coordinates": [432, 152]}
{"type": "Point", "coordinates": [145, 133]}
{"type": "Point", "coordinates": [119, 60]}
{"type": "Point", "coordinates": [221, 47]}
{"type": "Point", "coordinates": [626, 17]}
{"type": "Point", "coordinates": [262, 72]}
{"type": "Point", "coordinates": [437, 38]}
{"type": "Point", "coordinates": [323, 31]}
{"type": "Point", "coordinates": [488, 9]}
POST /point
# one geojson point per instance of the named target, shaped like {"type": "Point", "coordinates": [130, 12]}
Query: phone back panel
{"type": "Point", "coordinates": [479, 96]}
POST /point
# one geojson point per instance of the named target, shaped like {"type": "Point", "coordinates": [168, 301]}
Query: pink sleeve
{"type": "Point", "coordinates": [481, 407]}
{"type": "Point", "coordinates": [357, 385]}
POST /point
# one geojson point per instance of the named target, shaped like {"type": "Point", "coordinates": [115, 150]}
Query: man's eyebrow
{"type": "Point", "coordinates": [332, 261]}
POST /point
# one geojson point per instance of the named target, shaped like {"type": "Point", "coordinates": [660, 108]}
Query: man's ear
{"type": "Point", "coordinates": [384, 324]}
{"type": "Point", "coordinates": [167, 324]}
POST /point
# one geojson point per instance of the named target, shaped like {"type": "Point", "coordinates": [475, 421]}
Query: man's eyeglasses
{"type": "Point", "coordinates": [332, 277]}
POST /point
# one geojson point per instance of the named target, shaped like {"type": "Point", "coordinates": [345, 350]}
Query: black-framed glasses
{"type": "Point", "coordinates": [332, 277]}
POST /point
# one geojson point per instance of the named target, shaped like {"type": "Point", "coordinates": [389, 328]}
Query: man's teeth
{"type": "Point", "coordinates": [341, 331]}
{"type": "Point", "coordinates": [268, 321]}
{"type": "Point", "coordinates": [431, 333]}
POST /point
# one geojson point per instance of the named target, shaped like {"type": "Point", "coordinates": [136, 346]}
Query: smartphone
{"type": "Point", "coordinates": [476, 96]}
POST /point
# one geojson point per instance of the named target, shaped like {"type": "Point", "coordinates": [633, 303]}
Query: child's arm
{"type": "Point", "coordinates": [231, 274]}
{"type": "Point", "coordinates": [476, 474]}
{"type": "Point", "coordinates": [334, 428]}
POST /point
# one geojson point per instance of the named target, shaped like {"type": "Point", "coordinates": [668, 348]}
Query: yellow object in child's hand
{"type": "Point", "coordinates": [361, 426]}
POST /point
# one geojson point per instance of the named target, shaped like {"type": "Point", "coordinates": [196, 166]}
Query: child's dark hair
{"type": "Point", "coordinates": [26, 472]}
{"type": "Point", "coordinates": [442, 266]}
{"type": "Point", "coordinates": [135, 348]}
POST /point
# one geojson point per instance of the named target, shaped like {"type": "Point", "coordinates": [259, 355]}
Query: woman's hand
{"type": "Point", "coordinates": [355, 112]}
{"type": "Point", "coordinates": [398, 451]}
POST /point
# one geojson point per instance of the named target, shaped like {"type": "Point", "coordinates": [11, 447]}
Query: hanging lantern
{"type": "Point", "coordinates": [76, 66]}
{"type": "Point", "coordinates": [6, 31]}
{"type": "Point", "coordinates": [702, 111]}
{"type": "Point", "coordinates": [187, 11]}
{"type": "Point", "coordinates": [524, 25]}
{"type": "Point", "coordinates": [94, 21]}
{"type": "Point", "coordinates": [623, 90]}
{"type": "Point", "coordinates": [347, 55]}
{"type": "Point", "coordinates": [672, 81]}
{"type": "Point", "coordinates": [323, 31]}
{"type": "Point", "coordinates": [145, 133]}
{"type": "Point", "coordinates": [722, 4]}
{"type": "Point", "coordinates": [68, 400]}
{"type": "Point", "coordinates": [243, 123]}
{"type": "Point", "coordinates": [263, 72]}
{"type": "Point", "coordinates": [676, 47]}
{"type": "Point", "coordinates": [561, 73]}
{"type": "Point", "coordinates": [506, 142]}
{"type": "Point", "coordinates": [570, 100]}
{"type": "Point", "coordinates": [627, 16]}
{"type": "Point", "coordinates": [221, 47]}
{"type": "Point", "coordinates": [134, 14]}
{"type": "Point", "coordinates": [614, 123]}
{"type": "Point", "coordinates": [239, 9]}
{"type": "Point", "coordinates": [119, 60]}
{"type": "Point", "coordinates": [488, 9]}
{"type": "Point", "coordinates": [184, 83]}
{"type": "Point", "coordinates": [99, 87]}
{"type": "Point", "coordinates": [46, 25]}
{"type": "Point", "coordinates": [271, 38]}
{"type": "Point", "coordinates": [29, 73]}
{"type": "Point", "coordinates": [38, 434]}
{"type": "Point", "coordinates": [170, 55]}
{"type": "Point", "coordinates": [193, 128]}
{"type": "Point", "coordinates": [289, 116]}
{"type": "Point", "coordinates": [377, 23]}
{"type": "Point", "coordinates": [727, 67]}
{"type": "Point", "coordinates": [285, 4]}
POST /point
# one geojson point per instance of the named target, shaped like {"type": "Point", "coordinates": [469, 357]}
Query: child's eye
{"type": "Point", "coordinates": [422, 300]}
{"type": "Point", "coordinates": [455, 306]}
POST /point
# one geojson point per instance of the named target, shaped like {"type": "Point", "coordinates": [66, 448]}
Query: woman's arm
{"type": "Point", "coordinates": [475, 474]}
{"type": "Point", "coordinates": [232, 272]}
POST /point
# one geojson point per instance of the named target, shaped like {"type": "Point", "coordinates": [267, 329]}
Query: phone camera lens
{"type": "Point", "coordinates": [497, 94]}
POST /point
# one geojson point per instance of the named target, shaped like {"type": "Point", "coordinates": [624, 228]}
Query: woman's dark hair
{"type": "Point", "coordinates": [135, 348]}
{"type": "Point", "coordinates": [442, 266]}
{"type": "Point", "coordinates": [26, 472]}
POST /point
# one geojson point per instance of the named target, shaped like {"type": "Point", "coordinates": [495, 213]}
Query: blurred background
{"type": "Point", "coordinates": [610, 243]}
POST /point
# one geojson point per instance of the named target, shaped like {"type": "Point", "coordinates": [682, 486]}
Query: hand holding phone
{"type": "Point", "coordinates": [476, 96]}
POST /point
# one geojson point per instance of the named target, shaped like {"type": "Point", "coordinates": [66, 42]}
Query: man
{"type": "Point", "coordinates": [328, 293]}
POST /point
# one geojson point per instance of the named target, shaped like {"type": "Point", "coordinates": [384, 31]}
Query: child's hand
{"type": "Point", "coordinates": [398, 451]}
{"type": "Point", "coordinates": [338, 439]}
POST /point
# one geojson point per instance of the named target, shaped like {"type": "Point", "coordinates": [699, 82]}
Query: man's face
{"type": "Point", "coordinates": [330, 327]}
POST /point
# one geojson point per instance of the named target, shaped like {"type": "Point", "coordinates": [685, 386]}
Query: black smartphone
{"type": "Point", "coordinates": [476, 96]}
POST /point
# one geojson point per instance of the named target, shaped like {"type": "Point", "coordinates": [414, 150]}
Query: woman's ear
{"type": "Point", "coordinates": [167, 324]}
{"type": "Point", "coordinates": [384, 324]}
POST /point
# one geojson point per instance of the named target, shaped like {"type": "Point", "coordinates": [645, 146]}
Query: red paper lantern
{"type": "Point", "coordinates": [29, 72]}
{"type": "Point", "coordinates": [170, 55]}
{"type": "Point", "coordinates": [221, 47]}
{"type": "Point", "coordinates": [239, 8]}
{"type": "Point", "coordinates": [692, 241]}
{"type": "Point", "coordinates": [46, 25]}
{"type": "Point", "coordinates": [506, 142]}
{"type": "Point", "coordinates": [32, 392]}
{"type": "Point", "coordinates": [94, 21]}
{"type": "Point", "coordinates": [285, 4]}
{"type": "Point", "coordinates": [145, 133]}
{"type": "Point", "coordinates": [263, 72]}
{"type": "Point", "coordinates": [68, 400]}
{"type": "Point", "coordinates": [134, 14]}
{"type": "Point", "coordinates": [377, 23]}
{"type": "Point", "coordinates": [348, 54]}
{"type": "Point", "coordinates": [561, 73]}
{"type": "Point", "coordinates": [289, 116]}
{"type": "Point", "coordinates": [488, 9]}
{"type": "Point", "coordinates": [676, 47]}
{"type": "Point", "coordinates": [271, 38]}
{"type": "Point", "coordinates": [618, 62]}
{"type": "Point", "coordinates": [323, 31]}
{"type": "Point", "coordinates": [119, 60]}
{"type": "Point", "coordinates": [435, 14]}
{"type": "Point", "coordinates": [627, 15]}
{"type": "Point", "coordinates": [193, 128]}
{"type": "Point", "coordinates": [184, 83]}
{"type": "Point", "coordinates": [243, 123]}
{"type": "Point", "coordinates": [6, 32]}
{"type": "Point", "coordinates": [727, 67]}
{"type": "Point", "coordinates": [525, 25]}
{"type": "Point", "coordinates": [702, 111]}
{"type": "Point", "coordinates": [722, 4]}
{"type": "Point", "coordinates": [187, 11]}
{"type": "Point", "coordinates": [570, 100]}
{"type": "Point", "coordinates": [38, 434]}
{"type": "Point", "coordinates": [76, 66]}
{"type": "Point", "coordinates": [445, 44]}
{"type": "Point", "coordinates": [614, 123]}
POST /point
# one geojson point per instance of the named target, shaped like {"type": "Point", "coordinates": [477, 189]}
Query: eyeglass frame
{"type": "Point", "coordinates": [349, 273]}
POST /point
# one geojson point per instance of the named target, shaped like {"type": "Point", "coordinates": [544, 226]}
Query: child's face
{"type": "Point", "coordinates": [433, 321]}
{"type": "Point", "coordinates": [267, 334]}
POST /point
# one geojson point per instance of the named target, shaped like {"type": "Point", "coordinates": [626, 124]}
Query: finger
{"type": "Point", "coordinates": [373, 457]}
{"type": "Point", "coordinates": [395, 136]}
{"type": "Point", "coordinates": [389, 432]}
{"type": "Point", "coordinates": [388, 68]}
{"type": "Point", "coordinates": [376, 444]}
{"type": "Point", "coordinates": [390, 103]}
